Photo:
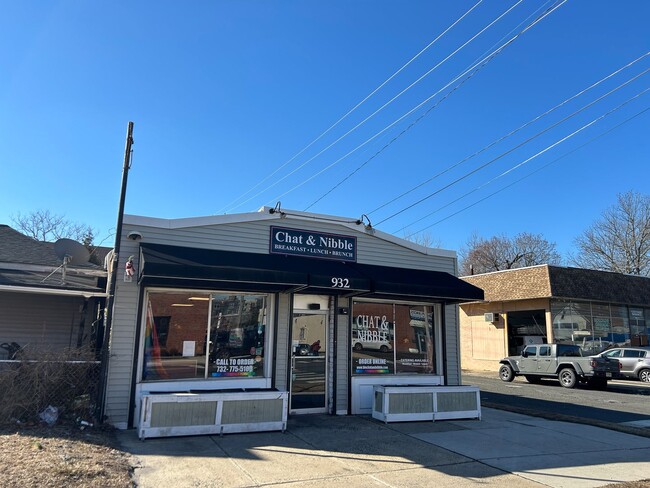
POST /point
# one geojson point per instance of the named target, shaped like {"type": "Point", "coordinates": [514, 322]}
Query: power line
{"type": "Point", "coordinates": [476, 67]}
{"type": "Point", "coordinates": [355, 107]}
{"type": "Point", "coordinates": [528, 175]}
{"type": "Point", "coordinates": [466, 175]}
{"type": "Point", "coordinates": [511, 133]}
{"type": "Point", "coordinates": [371, 116]}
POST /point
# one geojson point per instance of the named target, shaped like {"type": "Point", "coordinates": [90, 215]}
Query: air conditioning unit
{"type": "Point", "coordinates": [491, 317]}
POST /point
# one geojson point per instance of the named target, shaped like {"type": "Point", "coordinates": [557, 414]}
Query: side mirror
{"type": "Point", "coordinates": [524, 354]}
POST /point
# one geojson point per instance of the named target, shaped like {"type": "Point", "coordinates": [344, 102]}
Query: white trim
{"type": "Point", "coordinates": [48, 269]}
{"type": "Point", "coordinates": [52, 291]}
{"type": "Point", "coordinates": [299, 411]}
{"type": "Point", "coordinates": [196, 221]}
{"type": "Point", "coordinates": [263, 214]}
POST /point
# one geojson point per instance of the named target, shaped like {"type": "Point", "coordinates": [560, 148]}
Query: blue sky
{"type": "Point", "coordinates": [224, 94]}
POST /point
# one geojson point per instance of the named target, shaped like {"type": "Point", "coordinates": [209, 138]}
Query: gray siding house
{"type": "Point", "coordinates": [45, 305]}
{"type": "Point", "coordinates": [313, 310]}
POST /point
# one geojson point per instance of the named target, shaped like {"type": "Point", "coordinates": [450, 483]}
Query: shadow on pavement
{"type": "Point", "coordinates": [355, 451]}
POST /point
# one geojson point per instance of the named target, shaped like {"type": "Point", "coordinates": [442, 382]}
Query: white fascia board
{"type": "Point", "coordinates": [39, 268]}
{"type": "Point", "coordinates": [196, 221]}
{"type": "Point", "coordinates": [51, 291]}
{"type": "Point", "coordinates": [264, 214]}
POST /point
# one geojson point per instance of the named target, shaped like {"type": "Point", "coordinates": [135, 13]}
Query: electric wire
{"type": "Point", "coordinates": [472, 70]}
{"type": "Point", "coordinates": [509, 134]}
{"type": "Point", "coordinates": [391, 100]}
{"type": "Point", "coordinates": [517, 27]}
{"type": "Point", "coordinates": [356, 106]}
{"type": "Point", "coordinates": [509, 170]}
{"type": "Point", "coordinates": [372, 115]}
{"type": "Point", "coordinates": [528, 175]}
{"type": "Point", "coordinates": [484, 165]}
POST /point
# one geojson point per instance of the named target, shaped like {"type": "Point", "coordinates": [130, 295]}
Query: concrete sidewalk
{"type": "Point", "coordinates": [504, 449]}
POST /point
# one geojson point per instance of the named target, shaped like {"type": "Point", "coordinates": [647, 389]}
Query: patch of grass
{"type": "Point", "coordinates": [61, 456]}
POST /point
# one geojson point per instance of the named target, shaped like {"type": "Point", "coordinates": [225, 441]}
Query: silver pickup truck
{"type": "Point", "coordinates": [562, 361]}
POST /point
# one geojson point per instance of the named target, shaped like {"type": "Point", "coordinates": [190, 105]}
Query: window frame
{"type": "Point", "coordinates": [436, 309]}
{"type": "Point", "coordinates": [208, 383]}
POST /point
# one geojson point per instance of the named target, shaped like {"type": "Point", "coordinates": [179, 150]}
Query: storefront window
{"type": "Point", "coordinates": [571, 322]}
{"type": "Point", "coordinates": [175, 336]}
{"type": "Point", "coordinates": [237, 329]}
{"type": "Point", "coordinates": [392, 338]}
{"type": "Point", "coordinates": [596, 326]}
{"type": "Point", "coordinates": [620, 335]}
{"type": "Point", "coordinates": [639, 326]}
{"type": "Point", "coordinates": [602, 336]}
{"type": "Point", "coordinates": [198, 335]}
{"type": "Point", "coordinates": [414, 339]}
{"type": "Point", "coordinates": [372, 338]}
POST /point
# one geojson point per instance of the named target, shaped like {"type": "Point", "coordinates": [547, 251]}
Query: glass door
{"type": "Point", "coordinates": [309, 362]}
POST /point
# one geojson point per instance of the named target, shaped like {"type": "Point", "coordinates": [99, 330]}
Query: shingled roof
{"type": "Point", "coordinates": [25, 262]}
{"type": "Point", "coordinates": [513, 284]}
{"type": "Point", "coordinates": [563, 282]}
{"type": "Point", "coordinates": [602, 286]}
{"type": "Point", "coordinates": [18, 248]}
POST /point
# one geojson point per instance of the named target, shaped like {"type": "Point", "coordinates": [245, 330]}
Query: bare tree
{"type": "Point", "coordinates": [501, 252]}
{"type": "Point", "coordinates": [620, 240]}
{"type": "Point", "coordinates": [424, 239]}
{"type": "Point", "coordinates": [42, 225]}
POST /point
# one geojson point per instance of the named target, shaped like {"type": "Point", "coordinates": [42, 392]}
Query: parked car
{"type": "Point", "coordinates": [378, 345]}
{"type": "Point", "coordinates": [635, 361]}
{"type": "Point", "coordinates": [562, 361]}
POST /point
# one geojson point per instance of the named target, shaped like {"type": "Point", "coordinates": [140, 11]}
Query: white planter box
{"type": "Point", "coordinates": [426, 402]}
{"type": "Point", "coordinates": [175, 414]}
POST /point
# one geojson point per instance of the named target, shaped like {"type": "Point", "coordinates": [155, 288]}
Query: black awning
{"type": "Point", "coordinates": [169, 265]}
{"type": "Point", "coordinates": [389, 282]}
{"type": "Point", "coordinates": [191, 267]}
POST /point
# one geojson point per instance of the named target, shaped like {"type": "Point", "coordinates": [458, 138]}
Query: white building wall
{"type": "Point", "coordinates": [282, 350]}
{"type": "Point", "coordinates": [249, 233]}
{"type": "Point", "coordinates": [342, 365]}
{"type": "Point", "coordinates": [122, 339]}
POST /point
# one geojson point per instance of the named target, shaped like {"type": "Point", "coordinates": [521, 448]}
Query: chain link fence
{"type": "Point", "coordinates": [51, 386]}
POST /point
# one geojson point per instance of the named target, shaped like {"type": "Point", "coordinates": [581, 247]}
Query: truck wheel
{"type": "Point", "coordinates": [568, 378]}
{"type": "Point", "coordinates": [644, 375]}
{"type": "Point", "coordinates": [533, 379]}
{"type": "Point", "coordinates": [506, 373]}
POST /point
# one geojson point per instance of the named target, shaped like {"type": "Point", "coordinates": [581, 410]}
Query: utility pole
{"type": "Point", "coordinates": [112, 278]}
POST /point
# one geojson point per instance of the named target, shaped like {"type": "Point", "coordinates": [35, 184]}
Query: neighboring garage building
{"type": "Point", "coordinates": [544, 304]}
{"type": "Point", "coordinates": [46, 305]}
{"type": "Point", "coordinates": [317, 308]}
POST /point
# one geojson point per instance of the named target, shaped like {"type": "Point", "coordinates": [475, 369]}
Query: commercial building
{"type": "Point", "coordinates": [312, 309]}
{"type": "Point", "coordinates": [540, 304]}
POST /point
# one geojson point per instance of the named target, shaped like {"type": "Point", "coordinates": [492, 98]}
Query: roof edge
{"type": "Point", "coordinates": [264, 213]}
{"type": "Point", "coordinates": [507, 270]}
